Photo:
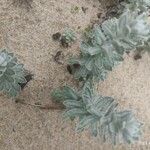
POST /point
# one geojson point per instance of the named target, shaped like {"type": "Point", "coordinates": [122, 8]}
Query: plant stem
{"type": "Point", "coordinates": [44, 107]}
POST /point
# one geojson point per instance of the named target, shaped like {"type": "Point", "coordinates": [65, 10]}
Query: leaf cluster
{"type": "Point", "coordinates": [102, 49]}
{"type": "Point", "coordinates": [11, 73]}
{"type": "Point", "coordinates": [68, 37]}
{"type": "Point", "coordinates": [140, 5]}
{"type": "Point", "coordinates": [105, 45]}
{"type": "Point", "coordinates": [99, 114]}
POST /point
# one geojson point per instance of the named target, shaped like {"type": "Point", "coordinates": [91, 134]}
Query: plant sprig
{"type": "Point", "coordinates": [12, 73]}
{"type": "Point", "coordinates": [105, 45]}
{"type": "Point", "coordinates": [98, 113]}
{"type": "Point", "coordinates": [101, 50]}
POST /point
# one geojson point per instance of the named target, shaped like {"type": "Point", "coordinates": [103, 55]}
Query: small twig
{"type": "Point", "coordinates": [45, 107]}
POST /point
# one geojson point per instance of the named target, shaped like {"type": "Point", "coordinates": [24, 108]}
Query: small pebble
{"type": "Point", "coordinates": [56, 36]}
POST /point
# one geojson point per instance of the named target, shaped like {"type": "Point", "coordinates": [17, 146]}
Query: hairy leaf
{"type": "Point", "coordinates": [107, 43]}
{"type": "Point", "coordinates": [11, 74]}
{"type": "Point", "coordinates": [99, 114]}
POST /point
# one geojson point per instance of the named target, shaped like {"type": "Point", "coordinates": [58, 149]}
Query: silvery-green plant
{"type": "Point", "coordinates": [141, 50]}
{"type": "Point", "coordinates": [146, 47]}
{"type": "Point", "coordinates": [11, 73]}
{"type": "Point", "coordinates": [99, 114]}
{"type": "Point", "coordinates": [107, 43]}
{"type": "Point", "coordinates": [101, 50]}
{"type": "Point", "coordinates": [140, 5]}
{"type": "Point", "coordinates": [68, 37]}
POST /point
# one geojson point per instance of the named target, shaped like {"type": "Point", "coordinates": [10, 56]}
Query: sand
{"type": "Point", "coordinates": [28, 34]}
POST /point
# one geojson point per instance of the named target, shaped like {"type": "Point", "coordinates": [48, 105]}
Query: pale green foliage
{"type": "Point", "coordinates": [68, 36]}
{"type": "Point", "coordinates": [99, 114]}
{"type": "Point", "coordinates": [11, 73]}
{"type": "Point", "coordinates": [141, 5]}
{"type": "Point", "coordinates": [106, 45]}
{"type": "Point", "coordinates": [101, 50]}
{"type": "Point", "coordinates": [146, 46]}
{"type": "Point", "coordinates": [59, 95]}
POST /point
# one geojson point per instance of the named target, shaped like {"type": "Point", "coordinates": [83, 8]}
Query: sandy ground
{"type": "Point", "coordinates": [28, 35]}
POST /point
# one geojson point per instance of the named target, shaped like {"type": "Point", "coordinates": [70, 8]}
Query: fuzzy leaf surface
{"type": "Point", "coordinates": [11, 74]}
{"type": "Point", "coordinates": [100, 115]}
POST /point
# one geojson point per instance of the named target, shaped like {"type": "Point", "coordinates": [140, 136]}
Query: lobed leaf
{"type": "Point", "coordinates": [100, 115]}
{"type": "Point", "coordinates": [11, 74]}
